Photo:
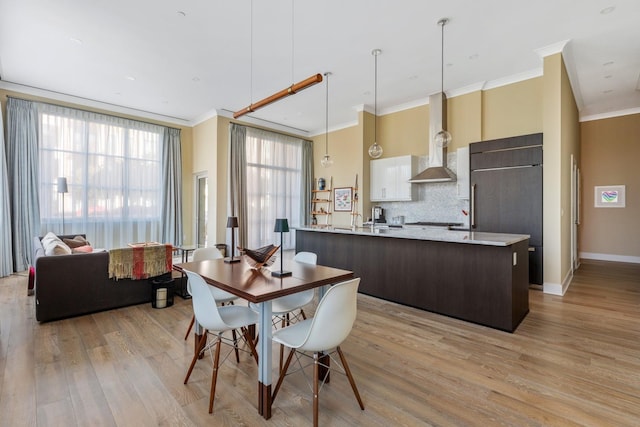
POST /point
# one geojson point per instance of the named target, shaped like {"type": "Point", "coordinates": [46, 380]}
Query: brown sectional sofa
{"type": "Point", "coordinates": [72, 285]}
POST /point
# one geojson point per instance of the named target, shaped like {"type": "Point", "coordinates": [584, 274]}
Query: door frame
{"type": "Point", "coordinates": [196, 192]}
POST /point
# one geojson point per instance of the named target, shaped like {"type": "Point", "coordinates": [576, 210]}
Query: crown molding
{"type": "Point", "coordinates": [610, 114]}
{"type": "Point", "coordinates": [92, 103]}
{"type": "Point", "coordinates": [514, 78]}
{"type": "Point", "coordinates": [551, 49]}
{"type": "Point", "coordinates": [474, 87]}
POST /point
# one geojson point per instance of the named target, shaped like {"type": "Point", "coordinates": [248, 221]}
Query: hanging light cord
{"type": "Point", "coordinates": [326, 128]}
{"type": "Point", "coordinates": [292, 39]}
{"type": "Point", "coordinates": [251, 54]}
{"type": "Point", "coordinates": [442, 23]}
{"type": "Point", "coordinates": [375, 99]}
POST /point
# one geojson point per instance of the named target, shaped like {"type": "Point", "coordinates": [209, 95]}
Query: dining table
{"type": "Point", "coordinates": [260, 287]}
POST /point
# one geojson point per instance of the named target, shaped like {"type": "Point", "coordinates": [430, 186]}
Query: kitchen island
{"type": "Point", "coordinates": [477, 277]}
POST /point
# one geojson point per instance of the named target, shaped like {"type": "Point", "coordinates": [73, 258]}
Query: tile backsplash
{"type": "Point", "coordinates": [436, 202]}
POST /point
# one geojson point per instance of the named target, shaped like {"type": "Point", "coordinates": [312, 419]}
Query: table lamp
{"type": "Point", "coordinates": [232, 223]}
{"type": "Point", "coordinates": [282, 226]}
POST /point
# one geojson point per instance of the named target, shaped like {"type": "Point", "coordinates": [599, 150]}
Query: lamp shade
{"type": "Point", "coordinates": [62, 185]}
{"type": "Point", "coordinates": [282, 225]}
{"type": "Point", "coordinates": [232, 222]}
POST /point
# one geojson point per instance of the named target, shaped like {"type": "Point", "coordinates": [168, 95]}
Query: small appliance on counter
{"type": "Point", "coordinates": [377, 213]}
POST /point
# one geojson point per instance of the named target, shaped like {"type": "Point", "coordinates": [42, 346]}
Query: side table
{"type": "Point", "coordinates": [181, 287]}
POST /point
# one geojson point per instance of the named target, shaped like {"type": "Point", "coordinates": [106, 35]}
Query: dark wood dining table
{"type": "Point", "coordinates": [260, 287]}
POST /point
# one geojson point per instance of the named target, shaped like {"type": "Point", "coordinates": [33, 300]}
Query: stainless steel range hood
{"type": "Point", "coordinates": [437, 170]}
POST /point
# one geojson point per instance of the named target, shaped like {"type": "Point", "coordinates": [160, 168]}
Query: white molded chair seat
{"type": "Point", "coordinates": [216, 320]}
{"type": "Point", "coordinates": [289, 303]}
{"type": "Point", "coordinates": [331, 325]}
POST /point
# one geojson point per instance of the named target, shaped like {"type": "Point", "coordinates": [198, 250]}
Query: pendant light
{"type": "Point", "coordinates": [375, 151]}
{"type": "Point", "coordinates": [326, 160]}
{"type": "Point", "coordinates": [442, 138]}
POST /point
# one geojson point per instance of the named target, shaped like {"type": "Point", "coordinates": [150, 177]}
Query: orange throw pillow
{"type": "Point", "coordinates": [82, 249]}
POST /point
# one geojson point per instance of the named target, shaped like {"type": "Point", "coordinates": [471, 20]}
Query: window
{"type": "Point", "coordinates": [113, 168]}
{"type": "Point", "coordinates": [274, 186]}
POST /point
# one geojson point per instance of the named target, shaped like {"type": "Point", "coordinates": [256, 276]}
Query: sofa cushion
{"type": "Point", "coordinates": [54, 246]}
{"type": "Point", "coordinates": [76, 242]}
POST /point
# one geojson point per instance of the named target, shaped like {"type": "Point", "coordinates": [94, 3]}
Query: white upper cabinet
{"type": "Point", "coordinates": [390, 176]}
{"type": "Point", "coordinates": [462, 172]}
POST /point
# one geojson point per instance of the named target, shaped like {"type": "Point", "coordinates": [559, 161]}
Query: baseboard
{"type": "Point", "coordinates": [558, 288]}
{"type": "Point", "coordinates": [610, 257]}
{"type": "Point", "coordinates": [552, 288]}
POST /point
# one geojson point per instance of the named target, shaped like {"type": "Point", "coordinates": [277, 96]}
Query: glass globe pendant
{"type": "Point", "coordinates": [375, 151]}
{"type": "Point", "coordinates": [326, 160]}
{"type": "Point", "coordinates": [442, 138]}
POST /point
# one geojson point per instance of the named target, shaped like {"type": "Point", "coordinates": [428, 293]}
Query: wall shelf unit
{"type": "Point", "coordinates": [321, 203]}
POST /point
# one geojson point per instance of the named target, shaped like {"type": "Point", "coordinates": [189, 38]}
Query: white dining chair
{"type": "Point", "coordinates": [283, 308]}
{"type": "Point", "coordinates": [215, 321]}
{"type": "Point", "coordinates": [221, 297]}
{"type": "Point", "coordinates": [330, 326]}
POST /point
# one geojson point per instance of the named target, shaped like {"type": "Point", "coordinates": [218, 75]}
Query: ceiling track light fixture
{"type": "Point", "coordinates": [442, 138]}
{"type": "Point", "coordinates": [291, 90]}
{"type": "Point", "coordinates": [375, 151]}
{"type": "Point", "coordinates": [326, 160]}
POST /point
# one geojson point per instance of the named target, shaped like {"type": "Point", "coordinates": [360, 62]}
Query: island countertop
{"type": "Point", "coordinates": [436, 234]}
{"type": "Point", "coordinates": [478, 277]}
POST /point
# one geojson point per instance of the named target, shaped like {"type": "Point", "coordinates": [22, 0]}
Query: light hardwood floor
{"type": "Point", "coordinates": [574, 360]}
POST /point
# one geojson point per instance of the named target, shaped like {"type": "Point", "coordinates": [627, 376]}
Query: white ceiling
{"type": "Point", "coordinates": [187, 60]}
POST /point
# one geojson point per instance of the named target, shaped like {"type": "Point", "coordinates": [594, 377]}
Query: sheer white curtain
{"type": "Point", "coordinates": [114, 173]}
{"type": "Point", "coordinates": [274, 186]}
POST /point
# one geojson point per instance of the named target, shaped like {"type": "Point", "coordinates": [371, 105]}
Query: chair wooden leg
{"type": "Point", "coordinates": [247, 336]}
{"type": "Point", "coordinates": [235, 345]}
{"type": "Point", "coordinates": [196, 354]}
{"type": "Point", "coordinates": [283, 372]}
{"type": "Point", "coordinates": [304, 316]}
{"type": "Point", "coordinates": [351, 380]}
{"type": "Point", "coordinates": [281, 357]}
{"type": "Point", "coordinates": [214, 377]}
{"type": "Point", "coordinates": [316, 376]}
{"type": "Point", "coordinates": [193, 318]}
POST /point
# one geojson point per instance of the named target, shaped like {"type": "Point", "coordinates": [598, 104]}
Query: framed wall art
{"type": "Point", "coordinates": [343, 199]}
{"type": "Point", "coordinates": [610, 196]}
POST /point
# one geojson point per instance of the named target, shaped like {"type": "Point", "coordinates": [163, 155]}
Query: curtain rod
{"type": "Point", "coordinates": [95, 112]}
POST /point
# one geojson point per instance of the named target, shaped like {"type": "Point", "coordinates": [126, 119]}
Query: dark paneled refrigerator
{"type": "Point", "coordinates": [506, 191]}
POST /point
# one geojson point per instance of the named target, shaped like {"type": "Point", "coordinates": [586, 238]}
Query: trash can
{"type": "Point", "coordinates": [222, 247]}
{"type": "Point", "coordinates": [162, 291]}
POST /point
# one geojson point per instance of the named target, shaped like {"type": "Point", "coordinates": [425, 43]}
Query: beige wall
{"type": "Point", "coordinates": [515, 109]}
{"type": "Point", "coordinates": [345, 150]}
{"type": "Point", "coordinates": [204, 158]}
{"type": "Point", "coordinates": [610, 156]}
{"type": "Point", "coordinates": [464, 119]}
{"type": "Point", "coordinates": [404, 132]}
{"type": "Point", "coordinates": [561, 140]}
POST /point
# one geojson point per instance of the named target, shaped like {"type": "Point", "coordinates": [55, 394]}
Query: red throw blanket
{"type": "Point", "coordinates": [140, 262]}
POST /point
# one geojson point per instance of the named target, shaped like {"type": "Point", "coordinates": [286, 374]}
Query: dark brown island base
{"type": "Point", "coordinates": [478, 277]}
